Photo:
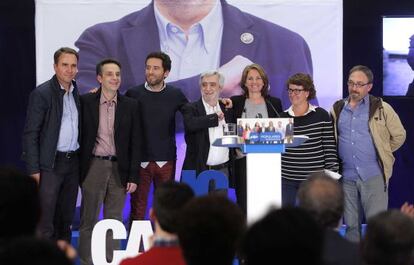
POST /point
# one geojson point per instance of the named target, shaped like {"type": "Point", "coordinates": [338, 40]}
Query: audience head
{"type": "Point", "coordinates": [254, 78]}
{"type": "Point", "coordinates": [389, 239]}
{"type": "Point", "coordinates": [287, 234]}
{"type": "Point", "coordinates": [303, 84]}
{"type": "Point", "coordinates": [210, 229]}
{"type": "Point", "coordinates": [169, 199]}
{"type": "Point", "coordinates": [33, 251]}
{"type": "Point", "coordinates": [323, 197]}
{"type": "Point", "coordinates": [19, 204]}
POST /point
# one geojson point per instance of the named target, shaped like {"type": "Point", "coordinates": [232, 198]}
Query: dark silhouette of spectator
{"type": "Point", "coordinates": [33, 251]}
{"type": "Point", "coordinates": [19, 205]}
{"type": "Point", "coordinates": [389, 239]}
{"type": "Point", "coordinates": [323, 198]}
{"type": "Point", "coordinates": [210, 229]}
{"type": "Point", "coordinates": [19, 216]}
{"type": "Point", "coordinates": [169, 198]}
{"type": "Point", "coordinates": [288, 234]}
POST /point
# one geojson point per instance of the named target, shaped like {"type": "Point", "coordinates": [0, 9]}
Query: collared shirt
{"type": "Point", "coordinates": [159, 163]}
{"type": "Point", "coordinates": [149, 88]}
{"type": "Point", "coordinates": [163, 242]}
{"type": "Point", "coordinates": [355, 145]}
{"type": "Point", "coordinates": [310, 108]}
{"type": "Point", "coordinates": [202, 42]}
{"type": "Point", "coordinates": [68, 135]}
{"type": "Point", "coordinates": [105, 139]}
{"type": "Point", "coordinates": [216, 155]}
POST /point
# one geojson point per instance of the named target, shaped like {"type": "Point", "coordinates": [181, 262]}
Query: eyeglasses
{"type": "Point", "coordinates": [351, 83]}
{"type": "Point", "coordinates": [295, 91]}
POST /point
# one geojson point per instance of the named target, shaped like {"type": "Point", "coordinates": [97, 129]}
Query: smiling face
{"type": "Point", "coordinates": [297, 95]}
{"type": "Point", "coordinates": [210, 88]}
{"type": "Point", "coordinates": [154, 72]}
{"type": "Point", "coordinates": [254, 82]}
{"type": "Point", "coordinates": [66, 69]}
{"type": "Point", "coordinates": [358, 86]}
{"type": "Point", "coordinates": [110, 79]}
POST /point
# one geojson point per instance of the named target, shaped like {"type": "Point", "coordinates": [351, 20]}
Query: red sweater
{"type": "Point", "coordinates": [158, 256]}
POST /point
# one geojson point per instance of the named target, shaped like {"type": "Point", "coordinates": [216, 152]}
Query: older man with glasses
{"type": "Point", "coordinates": [368, 131]}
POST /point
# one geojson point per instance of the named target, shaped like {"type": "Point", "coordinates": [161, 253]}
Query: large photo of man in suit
{"type": "Point", "coordinates": [198, 35]}
{"type": "Point", "coordinates": [274, 33]}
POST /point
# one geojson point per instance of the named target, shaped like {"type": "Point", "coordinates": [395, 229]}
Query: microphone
{"type": "Point", "coordinates": [273, 108]}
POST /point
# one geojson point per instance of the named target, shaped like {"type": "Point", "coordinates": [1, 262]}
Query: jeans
{"type": "Point", "coordinates": [289, 191]}
{"type": "Point", "coordinates": [371, 196]}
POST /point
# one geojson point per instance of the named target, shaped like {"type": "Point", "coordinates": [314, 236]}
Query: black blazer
{"type": "Point", "coordinates": [273, 105]}
{"type": "Point", "coordinates": [127, 135]}
{"type": "Point", "coordinates": [196, 124]}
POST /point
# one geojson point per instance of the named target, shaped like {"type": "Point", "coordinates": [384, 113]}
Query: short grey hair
{"type": "Point", "coordinates": [211, 73]}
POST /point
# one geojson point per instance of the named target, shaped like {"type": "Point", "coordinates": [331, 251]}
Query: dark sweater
{"type": "Point", "coordinates": [317, 153]}
{"type": "Point", "coordinates": [157, 113]}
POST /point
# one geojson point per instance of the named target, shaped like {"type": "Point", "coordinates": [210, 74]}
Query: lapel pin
{"type": "Point", "coordinates": [247, 38]}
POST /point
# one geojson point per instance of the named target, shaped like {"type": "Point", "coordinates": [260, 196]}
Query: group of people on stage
{"type": "Point", "coordinates": [111, 144]}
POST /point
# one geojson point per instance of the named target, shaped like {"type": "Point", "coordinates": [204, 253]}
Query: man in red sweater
{"type": "Point", "coordinates": [169, 198]}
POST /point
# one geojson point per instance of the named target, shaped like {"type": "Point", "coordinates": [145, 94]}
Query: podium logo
{"type": "Point", "coordinates": [200, 183]}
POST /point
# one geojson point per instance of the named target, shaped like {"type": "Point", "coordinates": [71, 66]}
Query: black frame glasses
{"type": "Point", "coordinates": [351, 83]}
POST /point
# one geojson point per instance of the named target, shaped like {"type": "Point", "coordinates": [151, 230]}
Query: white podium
{"type": "Point", "coordinates": [264, 180]}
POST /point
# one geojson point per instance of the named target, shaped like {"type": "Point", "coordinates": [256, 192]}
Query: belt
{"type": "Point", "coordinates": [110, 158]}
{"type": "Point", "coordinates": [218, 167]}
{"type": "Point", "coordinates": [68, 154]}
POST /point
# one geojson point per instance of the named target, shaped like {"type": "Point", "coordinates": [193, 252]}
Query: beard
{"type": "Point", "coordinates": [154, 81]}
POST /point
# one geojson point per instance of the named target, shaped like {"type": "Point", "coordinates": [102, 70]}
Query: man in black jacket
{"type": "Point", "coordinates": [109, 155]}
{"type": "Point", "coordinates": [50, 145]}
{"type": "Point", "coordinates": [203, 121]}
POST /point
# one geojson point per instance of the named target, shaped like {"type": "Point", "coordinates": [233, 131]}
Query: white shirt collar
{"type": "Point", "coordinates": [149, 88]}
{"type": "Point", "coordinates": [210, 109]}
{"type": "Point", "coordinates": [291, 113]}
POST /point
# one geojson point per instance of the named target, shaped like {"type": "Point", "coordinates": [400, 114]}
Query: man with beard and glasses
{"type": "Point", "coordinates": [368, 131]}
{"type": "Point", "coordinates": [159, 103]}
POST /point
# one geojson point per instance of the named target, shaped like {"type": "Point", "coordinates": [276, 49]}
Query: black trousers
{"type": "Point", "coordinates": [58, 192]}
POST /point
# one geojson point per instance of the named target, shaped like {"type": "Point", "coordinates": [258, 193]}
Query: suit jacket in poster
{"type": "Point", "coordinates": [127, 138]}
{"type": "Point", "coordinates": [196, 124]}
{"type": "Point", "coordinates": [130, 39]}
